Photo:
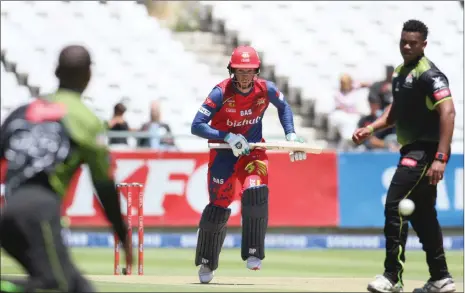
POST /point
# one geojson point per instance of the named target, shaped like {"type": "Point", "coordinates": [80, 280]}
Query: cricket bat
{"type": "Point", "coordinates": [278, 145]}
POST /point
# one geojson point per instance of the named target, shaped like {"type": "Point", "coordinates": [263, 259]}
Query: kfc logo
{"type": "Point", "coordinates": [170, 186]}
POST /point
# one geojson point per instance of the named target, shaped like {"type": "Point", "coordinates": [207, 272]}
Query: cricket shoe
{"type": "Point", "coordinates": [254, 263]}
{"type": "Point", "coordinates": [382, 284]}
{"type": "Point", "coordinates": [205, 274]}
{"type": "Point", "coordinates": [445, 285]}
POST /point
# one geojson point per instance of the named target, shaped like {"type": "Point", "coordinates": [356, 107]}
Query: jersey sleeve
{"type": "Point", "coordinates": [437, 88]}
{"type": "Point", "coordinates": [207, 110]}
{"type": "Point", "coordinates": [285, 114]}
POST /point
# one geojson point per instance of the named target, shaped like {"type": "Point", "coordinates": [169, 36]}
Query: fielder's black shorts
{"type": "Point", "coordinates": [30, 231]}
{"type": "Point", "coordinates": [410, 181]}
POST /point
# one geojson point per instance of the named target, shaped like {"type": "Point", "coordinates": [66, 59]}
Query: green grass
{"type": "Point", "coordinates": [174, 270]}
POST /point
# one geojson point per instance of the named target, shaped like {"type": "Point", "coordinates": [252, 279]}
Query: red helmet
{"type": "Point", "coordinates": [244, 57]}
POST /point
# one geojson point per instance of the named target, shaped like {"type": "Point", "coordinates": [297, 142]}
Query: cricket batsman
{"type": "Point", "coordinates": [235, 108]}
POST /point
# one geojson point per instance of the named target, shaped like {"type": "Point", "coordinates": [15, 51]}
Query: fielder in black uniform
{"type": "Point", "coordinates": [44, 143]}
{"type": "Point", "coordinates": [423, 114]}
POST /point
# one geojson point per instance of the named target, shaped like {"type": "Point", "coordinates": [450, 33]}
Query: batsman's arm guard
{"type": "Point", "coordinates": [211, 235]}
{"type": "Point", "coordinates": [254, 221]}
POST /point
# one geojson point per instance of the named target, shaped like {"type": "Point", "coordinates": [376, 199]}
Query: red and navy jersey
{"type": "Point", "coordinates": [229, 110]}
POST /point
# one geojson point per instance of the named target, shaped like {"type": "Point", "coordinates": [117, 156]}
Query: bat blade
{"type": "Point", "coordinates": [279, 145]}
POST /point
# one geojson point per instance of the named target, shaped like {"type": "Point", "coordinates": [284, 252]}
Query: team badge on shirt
{"type": "Point", "coordinates": [408, 81]}
{"type": "Point", "coordinates": [260, 101]}
{"type": "Point", "coordinates": [438, 83]}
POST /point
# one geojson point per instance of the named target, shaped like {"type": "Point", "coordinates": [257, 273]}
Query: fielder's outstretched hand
{"type": "Point", "coordinates": [238, 143]}
{"type": "Point", "coordinates": [361, 134]}
{"type": "Point", "coordinates": [296, 156]}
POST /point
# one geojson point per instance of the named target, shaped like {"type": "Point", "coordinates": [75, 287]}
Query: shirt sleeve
{"type": "Point", "coordinates": [207, 110]}
{"type": "Point", "coordinates": [285, 114]}
{"type": "Point", "coordinates": [437, 87]}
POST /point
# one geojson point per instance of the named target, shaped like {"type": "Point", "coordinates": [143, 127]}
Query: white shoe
{"type": "Point", "coordinates": [205, 274]}
{"type": "Point", "coordinates": [445, 285]}
{"type": "Point", "coordinates": [254, 263]}
{"type": "Point", "coordinates": [382, 284]}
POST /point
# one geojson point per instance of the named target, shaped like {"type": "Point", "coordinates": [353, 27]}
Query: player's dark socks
{"type": "Point", "coordinates": [254, 221]}
{"type": "Point", "coordinates": [211, 235]}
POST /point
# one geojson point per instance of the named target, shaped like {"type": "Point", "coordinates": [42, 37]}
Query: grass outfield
{"type": "Point", "coordinates": [173, 270]}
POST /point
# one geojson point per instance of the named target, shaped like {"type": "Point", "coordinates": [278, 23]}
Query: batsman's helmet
{"type": "Point", "coordinates": [244, 57]}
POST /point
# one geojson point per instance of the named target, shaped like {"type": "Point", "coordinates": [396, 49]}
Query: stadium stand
{"type": "Point", "coordinates": [138, 60]}
{"type": "Point", "coordinates": [134, 57]}
{"type": "Point", "coordinates": [311, 43]}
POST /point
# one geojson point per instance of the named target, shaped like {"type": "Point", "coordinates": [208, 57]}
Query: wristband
{"type": "Point", "coordinates": [371, 129]}
{"type": "Point", "coordinates": [441, 157]}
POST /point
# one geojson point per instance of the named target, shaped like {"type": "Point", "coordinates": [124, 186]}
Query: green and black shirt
{"type": "Point", "coordinates": [418, 88]}
{"type": "Point", "coordinates": [46, 141]}
{"type": "Point", "coordinates": [49, 139]}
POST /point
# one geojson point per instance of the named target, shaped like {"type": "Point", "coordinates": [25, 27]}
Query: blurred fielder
{"type": "Point", "coordinates": [45, 142]}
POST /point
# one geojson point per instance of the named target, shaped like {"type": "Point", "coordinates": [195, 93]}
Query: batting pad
{"type": "Point", "coordinates": [254, 221]}
{"type": "Point", "coordinates": [211, 235]}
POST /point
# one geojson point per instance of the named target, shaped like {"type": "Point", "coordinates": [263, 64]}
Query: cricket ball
{"type": "Point", "coordinates": [406, 207]}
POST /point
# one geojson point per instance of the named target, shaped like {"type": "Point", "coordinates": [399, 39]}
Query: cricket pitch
{"type": "Point", "coordinates": [258, 283]}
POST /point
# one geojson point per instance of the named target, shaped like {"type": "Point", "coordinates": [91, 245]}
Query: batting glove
{"type": "Point", "coordinates": [238, 143]}
{"type": "Point", "coordinates": [296, 156]}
